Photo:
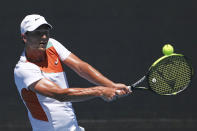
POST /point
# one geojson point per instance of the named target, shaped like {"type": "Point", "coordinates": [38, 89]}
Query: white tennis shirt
{"type": "Point", "coordinates": [45, 113]}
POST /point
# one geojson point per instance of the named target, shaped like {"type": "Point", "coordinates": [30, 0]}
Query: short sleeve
{"type": "Point", "coordinates": [61, 50]}
{"type": "Point", "coordinates": [26, 74]}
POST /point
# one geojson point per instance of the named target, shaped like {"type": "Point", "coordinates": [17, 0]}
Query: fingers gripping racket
{"type": "Point", "coordinates": [169, 75]}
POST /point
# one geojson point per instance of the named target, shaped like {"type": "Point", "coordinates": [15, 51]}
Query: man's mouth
{"type": "Point", "coordinates": [43, 42]}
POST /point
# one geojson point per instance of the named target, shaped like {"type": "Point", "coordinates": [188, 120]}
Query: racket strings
{"type": "Point", "coordinates": [170, 75]}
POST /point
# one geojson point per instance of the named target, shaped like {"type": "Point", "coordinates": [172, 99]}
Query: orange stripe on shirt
{"type": "Point", "coordinates": [33, 104]}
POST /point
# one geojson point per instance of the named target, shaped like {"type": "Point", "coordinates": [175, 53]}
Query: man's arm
{"type": "Point", "coordinates": [48, 88]}
{"type": "Point", "coordinates": [86, 71]}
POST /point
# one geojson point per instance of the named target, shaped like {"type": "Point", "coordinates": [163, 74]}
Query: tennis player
{"type": "Point", "coordinates": [43, 85]}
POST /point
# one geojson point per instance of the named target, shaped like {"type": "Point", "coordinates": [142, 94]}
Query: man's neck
{"type": "Point", "coordinates": [35, 56]}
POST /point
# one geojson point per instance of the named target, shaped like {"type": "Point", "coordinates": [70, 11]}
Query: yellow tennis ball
{"type": "Point", "coordinates": [167, 49]}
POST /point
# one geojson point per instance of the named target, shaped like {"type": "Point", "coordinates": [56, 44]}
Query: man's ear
{"type": "Point", "coordinates": [24, 38]}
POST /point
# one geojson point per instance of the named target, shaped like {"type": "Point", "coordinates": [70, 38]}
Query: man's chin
{"type": "Point", "coordinates": [42, 49]}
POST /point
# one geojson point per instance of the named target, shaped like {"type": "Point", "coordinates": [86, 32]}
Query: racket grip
{"type": "Point", "coordinates": [129, 87]}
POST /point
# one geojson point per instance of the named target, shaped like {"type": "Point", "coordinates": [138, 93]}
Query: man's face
{"type": "Point", "coordinates": [38, 39]}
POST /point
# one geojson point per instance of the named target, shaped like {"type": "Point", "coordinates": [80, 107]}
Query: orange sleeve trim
{"type": "Point", "coordinates": [52, 64]}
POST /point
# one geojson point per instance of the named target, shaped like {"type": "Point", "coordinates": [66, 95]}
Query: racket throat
{"type": "Point", "coordinates": [135, 85]}
{"type": "Point", "coordinates": [139, 87]}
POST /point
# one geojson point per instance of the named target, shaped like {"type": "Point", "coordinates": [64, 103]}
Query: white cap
{"type": "Point", "coordinates": [32, 22]}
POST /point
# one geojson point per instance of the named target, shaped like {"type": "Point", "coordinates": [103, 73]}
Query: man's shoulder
{"type": "Point", "coordinates": [24, 65]}
{"type": "Point", "coordinates": [53, 41]}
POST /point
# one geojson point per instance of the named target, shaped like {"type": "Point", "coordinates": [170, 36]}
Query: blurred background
{"type": "Point", "coordinates": [120, 38]}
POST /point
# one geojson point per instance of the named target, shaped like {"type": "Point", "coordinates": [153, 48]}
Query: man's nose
{"type": "Point", "coordinates": [44, 36]}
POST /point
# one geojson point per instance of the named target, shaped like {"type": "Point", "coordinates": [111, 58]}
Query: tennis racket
{"type": "Point", "coordinates": [169, 75]}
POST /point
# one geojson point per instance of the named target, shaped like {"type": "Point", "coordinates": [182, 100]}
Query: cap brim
{"type": "Point", "coordinates": [36, 26]}
{"type": "Point", "coordinates": [50, 27]}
